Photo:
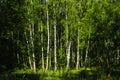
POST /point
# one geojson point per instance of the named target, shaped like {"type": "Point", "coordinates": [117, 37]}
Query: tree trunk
{"type": "Point", "coordinates": [33, 54]}
{"type": "Point", "coordinates": [30, 62]}
{"type": "Point", "coordinates": [50, 61]}
{"type": "Point", "coordinates": [29, 57]}
{"type": "Point", "coordinates": [67, 43]}
{"type": "Point", "coordinates": [68, 56]}
{"type": "Point", "coordinates": [42, 47]}
{"type": "Point", "coordinates": [81, 58]}
{"type": "Point", "coordinates": [55, 56]}
{"type": "Point", "coordinates": [55, 47]}
{"type": "Point", "coordinates": [32, 44]}
{"type": "Point", "coordinates": [34, 64]}
{"type": "Point", "coordinates": [48, 38]}
{"type": "Point", "coordinates": [18, 56]}
{"type": "Point", "coordinates": [78, 56]}
{"type": "Point", "coordinates": [86, 56]}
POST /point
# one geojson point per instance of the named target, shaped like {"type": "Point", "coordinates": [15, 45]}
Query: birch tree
{"type": "Point", "coordinates": [42, 47]}
{"type": "Point", "coordinates": [78, 54]}
{"type": "Point", "coordinates": [48, 32]}
{"type": "Point", "coordinates": [67, 43]}
{"type": "Point", "coordinates": [31, 54]}
{"type": "Point", "coordinates": [55, 47]}
{"type": "Point", "coordinates": [32, 44]}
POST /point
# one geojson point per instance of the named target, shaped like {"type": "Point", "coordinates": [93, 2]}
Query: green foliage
{"type": "Point", "coordinates": [23, 24]}
{"type": "Point", "coordinates": [88, 73]}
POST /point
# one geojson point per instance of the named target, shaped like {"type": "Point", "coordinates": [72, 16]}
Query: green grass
{"type": "Point", "coordinates": [81, 74]}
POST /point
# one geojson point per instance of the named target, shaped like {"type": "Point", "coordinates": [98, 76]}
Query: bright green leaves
{"type": "Point", "coordinates": [93, 21]}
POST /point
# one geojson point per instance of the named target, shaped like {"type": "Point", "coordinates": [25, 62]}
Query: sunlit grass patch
{"type": "Point", "coordinates": [73, 74]}
{"type": "Point", "coordinates": [22, 71]}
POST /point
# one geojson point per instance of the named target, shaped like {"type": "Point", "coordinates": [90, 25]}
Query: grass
{"type": "Point", "coordinates": [81, 74]}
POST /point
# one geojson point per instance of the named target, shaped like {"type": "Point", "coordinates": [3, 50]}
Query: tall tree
{"type": "Point", "coordinates": [55, 47]}
{"type": "Point", "coordinates": [67, 42]}
{"type": "Point", "coordinates": [48, 42]}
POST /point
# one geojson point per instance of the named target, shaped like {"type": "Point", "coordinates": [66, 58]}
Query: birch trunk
{"type": "Point", "coordinates": [32, 44]}
{"type": "Point", "coordinates": [29, 58]}
{"type": "Point", "coordinates": [50, 58]}
{"type": "Point", "coordinates": [68, 56]}
{"type": "Point", "coordinates": [48, 37]}
{"type": "Point", "coordinates": [55, 47]}
{"type": "Point", "coordinates": [33, 54]}
{"type": "Point", "coordinates": [86, 56]}
{"type": "Point", "coordinates": [81, 58]}
{"type": "Point", "coordinates": [67, 44]}
{"type": "Point", "coordinates": [55, 55]}
{"type": "Point", "coordinates": [78, 56]}
{"type": "Point", "coordinates": [30, 62]}
{"type": "Point", "coordinates": [42, 47]}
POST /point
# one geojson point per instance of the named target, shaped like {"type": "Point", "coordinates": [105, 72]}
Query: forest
{"type": "Point", "coordinates": [59, 39]}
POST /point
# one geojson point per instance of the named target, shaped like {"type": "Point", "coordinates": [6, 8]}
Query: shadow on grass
{"type": "Point", "coordinates": [29, 76]}
{"type": "Point", "coordinates": [81, 75]}
{"type": "Point", "coordinates": [91, 75]}
{"type": "Point", "coordinates": [20, 77]}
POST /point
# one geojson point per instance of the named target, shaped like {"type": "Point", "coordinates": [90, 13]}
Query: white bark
{"type": "Point", "coordinates": [78, 56]}
{"type": "Point", "coordinates": [66, 28]}
{"type": "Point", "coordinates": [68, 56]}
{"type": "Point", "coordinates": [55, 55]}
{"type": "Point", "coordinates": [55, 47]}
{"type": "Point", "coordinates": [33, 54]}
{"type": "Point", "coordinates": [29, 57]}
{"type": "Point", "coordinates": [34, 63]}
{"type": "Point", "coordinates": [81, 58]}
{"type": "Point", "coordinates": [86, 56]}
{"type": "Point", "coordinates": [31, 41]}
{"type": "Point", "coordinates": [50, 58]}
{"type": "Point", "coordinates": [30, 62]}
{"type": "Point", "coordinates": [48, 38]}
{"type": "Point", "coordinates": [32, 44]}
{"type": "Point", "coordinates": [42, 47]}
{"type": "Point", "coordinates": [67, 43]}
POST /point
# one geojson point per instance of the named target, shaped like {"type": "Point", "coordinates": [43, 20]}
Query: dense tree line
{"type": "Point", "coordinates": [59, 34]}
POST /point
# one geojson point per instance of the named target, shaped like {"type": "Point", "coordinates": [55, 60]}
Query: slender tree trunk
{"type": "Point", "coordinates": [81, 57]}
{"type": "Point", "coordinates": [50, 58]}
{"type": "Point", "coordinates": [34, 64]}
{"type": "Point", "coordinates": [33, 54]}
{"type": "Point", "coordinates": [32, 44]}
{"type": "Point", "coordinates": [48, 37]}
{"type": "Point", "coordinates": [42, 47]}
{"type": "Point", "coordinates": [30, 62]}
{"type": "Point", "coordinates": [67, 43]}
{"type": "Point", "coordinates": [29, 57]}
{"type": "Point", "coordinates": [55, 47]}
{"type": "Point", "coordinates": [68, 56]}
{"type": "Point", "coordinates": [78, 56]}
{"type": "Point", "coordinates": [55, 55]}
{"type": "Point", "coordinates": [86, 56]}
{"type": "Point", "coordinates": [42, 59]}
{"type": "Point", "coordinates": [18, 56]}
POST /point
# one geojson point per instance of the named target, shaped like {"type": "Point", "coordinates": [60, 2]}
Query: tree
{"type": "Point", "coordinates": [47, 14]}
{"type": "Point", "coordinates": [55, 56]}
